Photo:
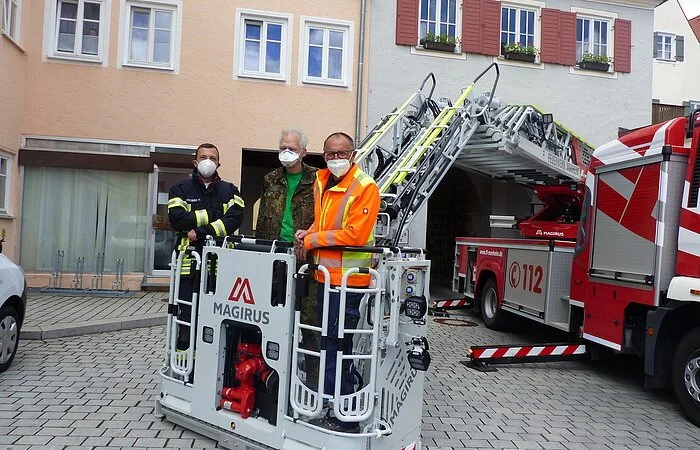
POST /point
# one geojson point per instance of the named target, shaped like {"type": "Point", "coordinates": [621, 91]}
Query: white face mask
{"type": "Point", "coordinates": [206, 168]}
{"type": "Point", "coordinates": [338, 167]}
{"type": "Point", "coordinates": [288, 158]}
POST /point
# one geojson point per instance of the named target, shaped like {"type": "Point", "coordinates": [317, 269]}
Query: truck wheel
{"type": "Point", "coordinates": [493, 317]}
{"type": "Point", "coordinates": [686, 375]}
{"type": "Point", "coordinates": [9, 336]}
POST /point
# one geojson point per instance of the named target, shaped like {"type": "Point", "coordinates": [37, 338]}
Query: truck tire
{"type": "Point", "coordinates": [686, 375]}
{"type": "Point", "coordinates": [9, 336]}
{"type": "Point", "coordinates": [493, 316]}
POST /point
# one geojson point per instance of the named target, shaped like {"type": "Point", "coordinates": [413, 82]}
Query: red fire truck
{"type": "Point", "coordinates": [614, 259]}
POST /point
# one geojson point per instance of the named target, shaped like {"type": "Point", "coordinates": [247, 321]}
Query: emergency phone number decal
{"type": "Point", "coordinates": [528, 277]}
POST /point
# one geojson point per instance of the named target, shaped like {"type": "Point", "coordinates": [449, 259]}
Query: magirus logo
{"type": "Point", "coordinates": [241, 291]}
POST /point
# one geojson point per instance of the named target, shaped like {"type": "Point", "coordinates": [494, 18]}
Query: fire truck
{"type": "Point", "coordinates": [612, 257]}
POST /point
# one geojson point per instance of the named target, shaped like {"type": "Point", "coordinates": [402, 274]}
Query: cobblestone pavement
{"type": "Point", "coordinates": [98, 391]}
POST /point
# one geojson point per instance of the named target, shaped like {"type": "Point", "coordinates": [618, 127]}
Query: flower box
{"type": "Point", "coordinates": [519, 56]}
{"type": "Point", "coordinates": [439, 46]}
{"type": "Point", "coordinates": [590, 65]}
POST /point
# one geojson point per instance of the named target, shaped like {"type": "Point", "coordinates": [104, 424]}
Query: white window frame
{"type": "Point", "coordinates": [438, 21]}
{"type": "Point", "coordinates": [51, 33]}
{"type": "Point", "coordinates": [125, 34]}
{"type": "Point", "coordinates": [532, 5]}
{"type": "Point", "coordinates": [672, 44]}
{"type": "Point", "coordinates": [591, 44]}
{"type": "Point", "coordinates": [7, 20]}
{"type": "Point", "coordinates": [5, 211]}
{"type": "Point", "coordinates": [348, 50]}
{"type": "Point", "coordinates": [243, 15]}
{"type": "Point", "coordinates": [518, 9]}
{"type": "Point", "coordinates": [597, 15]}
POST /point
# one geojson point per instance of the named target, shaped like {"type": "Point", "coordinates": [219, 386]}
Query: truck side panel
{"type": "Point", "coordinates": [626, 221]}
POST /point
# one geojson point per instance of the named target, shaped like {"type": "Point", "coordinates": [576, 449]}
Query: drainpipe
{"type": "Point", "coordinates": [360, 70]}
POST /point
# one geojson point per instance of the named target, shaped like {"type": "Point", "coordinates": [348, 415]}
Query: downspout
{"type": "Point", "coordinates": [360, 71]}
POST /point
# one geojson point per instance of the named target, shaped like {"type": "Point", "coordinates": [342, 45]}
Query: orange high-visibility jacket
{"type": "Point", "coordinates": [344, 215]}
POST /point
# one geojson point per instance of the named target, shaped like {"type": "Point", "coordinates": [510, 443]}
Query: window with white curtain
{"type": "Point", "coordinates": [83, 212]}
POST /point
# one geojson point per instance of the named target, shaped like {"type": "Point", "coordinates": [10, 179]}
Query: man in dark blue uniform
{"type": "Point", "coordinates": [200, 206]}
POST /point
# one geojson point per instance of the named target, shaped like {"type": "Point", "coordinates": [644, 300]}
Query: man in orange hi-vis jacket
{"type": "Point", "coordinates": [346, 204]}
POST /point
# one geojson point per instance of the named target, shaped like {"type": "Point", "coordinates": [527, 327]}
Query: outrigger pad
{"type": "Point", "coordinates": [479, 366]}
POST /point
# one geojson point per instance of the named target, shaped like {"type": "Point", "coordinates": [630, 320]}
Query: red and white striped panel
{"type": "Point", "coordinates": [527, 351]}
{"type": "Point", "coordinates": [451, 303]}
{"type": "Point", "coordinates": [412, 446]}
{"type": "Point", "coordinates": [644, 142]}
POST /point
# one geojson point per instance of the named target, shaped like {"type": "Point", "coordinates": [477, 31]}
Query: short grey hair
{"type": "Point", "coordinates": [303, 138]}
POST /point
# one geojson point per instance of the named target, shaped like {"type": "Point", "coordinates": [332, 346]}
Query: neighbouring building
{"type": "Point", "coordinates": [676, 62]}
{"type": "Point", "coordinates": [102, 103]}
{"type": "Point", "coordinates": [592, 101]}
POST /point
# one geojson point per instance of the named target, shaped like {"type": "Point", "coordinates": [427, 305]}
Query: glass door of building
{"type": "Point", "coordinates": [162, 235]}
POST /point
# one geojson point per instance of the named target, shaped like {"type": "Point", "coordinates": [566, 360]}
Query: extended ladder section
{"type": "Point", "coordinates": [396, 131]}
{"type": "Point", "coordinates": [523, 145]}
{"type": "Point", "coordinates": [516, 143]}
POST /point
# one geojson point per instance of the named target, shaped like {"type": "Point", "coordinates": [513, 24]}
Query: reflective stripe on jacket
{"type": "Point", "coordinates": [216, 210]}
{"type": "Point", "coordinates": [344, 215]}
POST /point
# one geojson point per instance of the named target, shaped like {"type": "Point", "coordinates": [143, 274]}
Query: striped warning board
{"type": "Point", "coordinates": [453, 303]}
{"type": "Point", "coordinates": [503, 354]}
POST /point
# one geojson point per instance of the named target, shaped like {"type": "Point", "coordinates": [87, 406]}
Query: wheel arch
{"type": "Point", "coordinates": [484, 276]}
{"type": "Point", "coordinates": [666, 326]}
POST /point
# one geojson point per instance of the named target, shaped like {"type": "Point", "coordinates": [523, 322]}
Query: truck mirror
{"type": "Point", "coordinates": [693, 122]}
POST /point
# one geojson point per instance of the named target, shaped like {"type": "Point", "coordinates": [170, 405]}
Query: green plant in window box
{"type": "Point", "coordinates": [590, 61]}
{"type": "Point", "coordinates": [519, 52]}
{"type": "Point", "coordinates": [440, 42]}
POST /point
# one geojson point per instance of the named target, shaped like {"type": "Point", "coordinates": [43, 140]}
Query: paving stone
{"type": "Point", "coordinates": [61, 441]}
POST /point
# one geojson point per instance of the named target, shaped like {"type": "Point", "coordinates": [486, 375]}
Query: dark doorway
{"type": "Point", "coordinates": [256, 163]}
{"type": "Point", "coordinates": [455, 209]}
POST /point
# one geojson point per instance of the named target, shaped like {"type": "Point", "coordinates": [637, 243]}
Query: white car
{"type": "Point", "coordinates": [13, 304]}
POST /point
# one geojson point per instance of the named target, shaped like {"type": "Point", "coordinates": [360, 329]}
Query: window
{"type": "Point", "coordinates": [99, 211]}
{"type": "Point", "coordinates": [664, 48]}
{"type": "Point", "coordinates": [4, 184]}
{"type": "Point", "coordinates": [262, 46]}
{"type": "Point", "coordinates": [592, 37]}
{"type": "Point", "coordinates": [78, 28]}
{"type": "Point", "coordinates": [669, 47]}
{"type": "Point", "coordinates": [152, 34]}
{"type": "Point", "coordinates": [438, 17]}
{"type": "Point", "coordinates": [10, 19]}
{"type": "Point", "coordinates": [326, 53]}
{"type": "Point", "coordinates": [518, 26]}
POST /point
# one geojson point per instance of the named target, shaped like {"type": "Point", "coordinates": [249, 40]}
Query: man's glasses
{"type": "Point", "coordinates": [342, 154]}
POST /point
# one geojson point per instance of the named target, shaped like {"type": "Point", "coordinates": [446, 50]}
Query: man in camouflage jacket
{"type": "Point", "coordinates": [283, 211]}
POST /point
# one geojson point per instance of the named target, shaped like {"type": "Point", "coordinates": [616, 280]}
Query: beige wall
{"type": "Point", "coordinates": [203, 102]}
{"type": "Point", "coordinates": [12, 78]}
